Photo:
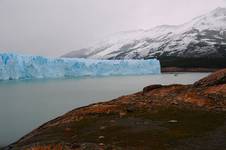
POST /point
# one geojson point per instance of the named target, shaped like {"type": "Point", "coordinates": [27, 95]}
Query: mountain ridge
{"type": "Point", "coordinates": [203, 36]}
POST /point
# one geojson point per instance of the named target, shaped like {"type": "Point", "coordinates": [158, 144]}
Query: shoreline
{"type": "Point", "coordinates": [174, 112]}
{"type": "Point", "coordinates": [178, 69]}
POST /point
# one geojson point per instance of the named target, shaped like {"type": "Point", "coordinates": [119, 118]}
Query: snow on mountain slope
{"type": "Point", "coordinates": [203, 36]}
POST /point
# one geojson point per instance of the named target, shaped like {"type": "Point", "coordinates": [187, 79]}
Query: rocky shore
{"type": "Point", "coordinates": [177, 117]}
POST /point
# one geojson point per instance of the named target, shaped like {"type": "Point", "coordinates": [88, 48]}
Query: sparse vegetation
{"type": "Point", "coordinates": [47, 147]}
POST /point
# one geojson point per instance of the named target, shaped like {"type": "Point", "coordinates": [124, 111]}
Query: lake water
{"type": "Point", "coordinates": [25, 105]}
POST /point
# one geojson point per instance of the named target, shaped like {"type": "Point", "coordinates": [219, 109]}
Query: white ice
{"type": "Point", "coordinates": [14, 66]}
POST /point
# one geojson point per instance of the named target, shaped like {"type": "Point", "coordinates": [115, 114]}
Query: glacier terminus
{"type": "Point", "coordinates": [15, 66]}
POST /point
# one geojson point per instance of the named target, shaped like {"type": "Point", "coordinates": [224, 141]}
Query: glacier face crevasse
{"type": "Point", "coordinates": [13, 66]}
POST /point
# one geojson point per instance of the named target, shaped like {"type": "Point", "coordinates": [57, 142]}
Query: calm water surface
{"type": "Point", "coordinates": [25, 105]}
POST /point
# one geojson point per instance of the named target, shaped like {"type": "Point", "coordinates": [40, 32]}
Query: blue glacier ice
{"type": "Point", "coordinates": [14, 66]}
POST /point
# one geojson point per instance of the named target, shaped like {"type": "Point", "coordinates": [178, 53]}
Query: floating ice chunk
{"type": "Point", "coordinates": [13, 66]}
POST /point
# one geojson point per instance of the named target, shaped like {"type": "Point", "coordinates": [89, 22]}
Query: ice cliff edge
{"type": "Point", "coordinates": [15, 66]}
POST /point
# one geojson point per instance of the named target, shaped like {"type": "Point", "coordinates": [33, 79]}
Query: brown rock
{"type": "Point", "coordinates": [151, 87]}
{"type": "Point", "coordinates": [122, 114]}
{"type": "Point", "coordinates": [101, 137]}
{"type": "Point", "coordinates": [216, 78]}
{"type": "Point", "coordinates": [102, 127]}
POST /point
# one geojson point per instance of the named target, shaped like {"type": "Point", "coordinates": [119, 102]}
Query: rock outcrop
{"type": "Point", "coordinates": [159, 117]}
{"type": "Point", "coordinates": [214, 79]}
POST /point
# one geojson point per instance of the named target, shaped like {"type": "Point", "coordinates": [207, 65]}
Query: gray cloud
{"type": "Point", "coordinates": [54, 27]}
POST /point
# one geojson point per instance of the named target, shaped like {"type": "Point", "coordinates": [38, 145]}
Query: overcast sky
{"type": "Point", "coordinates": [55, 27]}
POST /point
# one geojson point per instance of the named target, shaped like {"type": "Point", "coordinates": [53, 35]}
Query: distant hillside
{"type": "Point", "coordinates": [199, 42]}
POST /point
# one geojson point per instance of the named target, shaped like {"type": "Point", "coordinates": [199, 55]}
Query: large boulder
{"type": "Point", "coordinates": [216, 78]}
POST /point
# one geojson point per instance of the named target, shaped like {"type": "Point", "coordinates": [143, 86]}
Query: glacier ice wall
{"type": "Point", "coordinates": [14, 66]}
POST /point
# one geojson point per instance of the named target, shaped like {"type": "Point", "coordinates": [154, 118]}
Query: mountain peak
{"type": "Point", "coordinates": [219, 11]}
{"type": "Point", "coordinates": [203, 36]}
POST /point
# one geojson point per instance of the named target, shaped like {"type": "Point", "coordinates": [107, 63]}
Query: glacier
{"type": "Point", "coordinates": [14, 66]}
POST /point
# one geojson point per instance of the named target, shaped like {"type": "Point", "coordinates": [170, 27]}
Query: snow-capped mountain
{"type": "Point", "coordinates": [204, 36]}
